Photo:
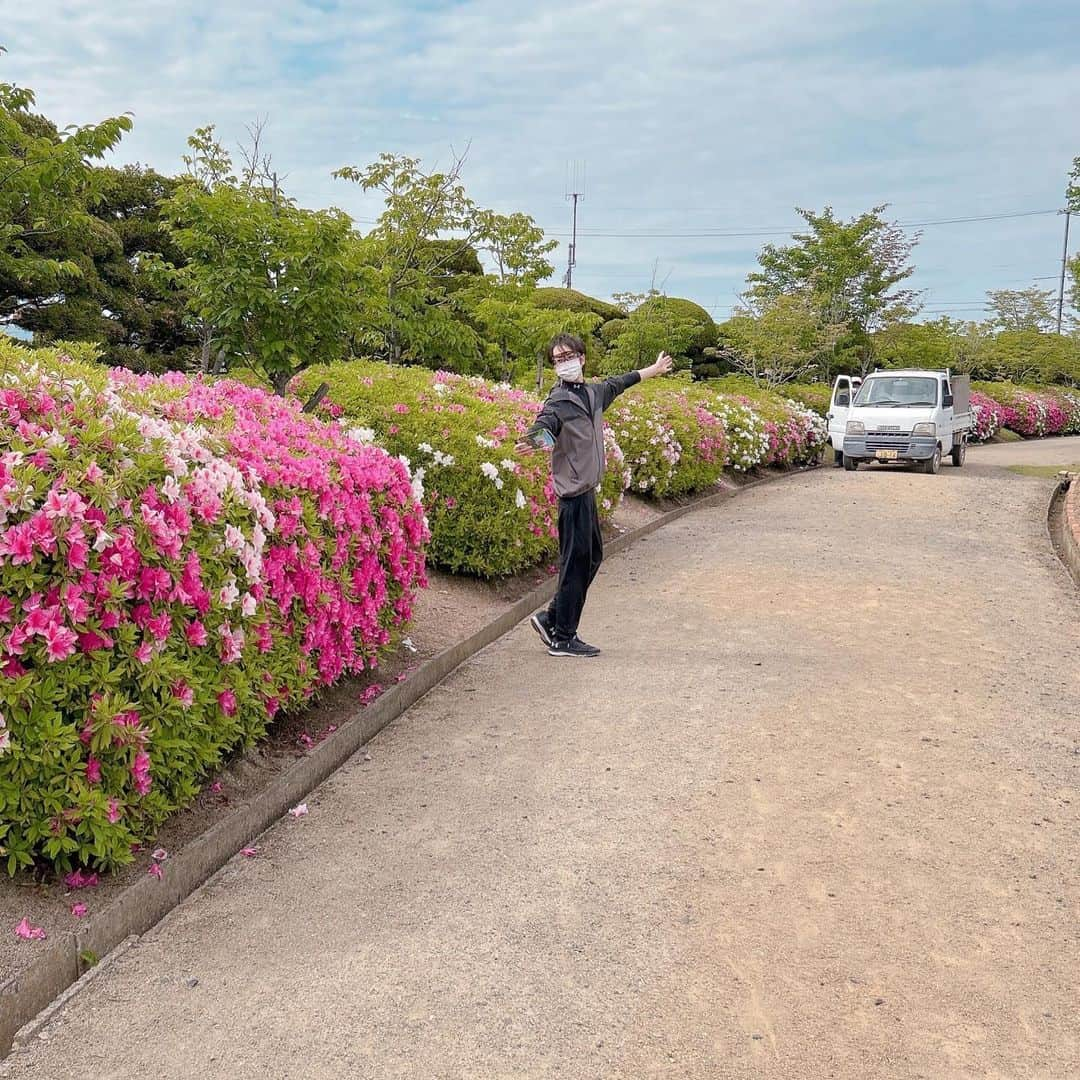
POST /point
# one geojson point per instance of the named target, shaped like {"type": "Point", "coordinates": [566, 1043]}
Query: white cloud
{"type": "Point", "coordinates": [689, 115]}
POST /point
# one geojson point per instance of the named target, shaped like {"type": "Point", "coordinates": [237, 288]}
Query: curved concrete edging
{"type": "Point", "coordinates": [142, 905]}
{"type": "Point", "coordinates": [1064, 519]}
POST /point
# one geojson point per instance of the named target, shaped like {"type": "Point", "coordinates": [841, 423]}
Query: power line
{"type": "Point", "coordinates": [733, 233]}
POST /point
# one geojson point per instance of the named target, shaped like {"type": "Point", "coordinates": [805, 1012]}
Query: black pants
{"type": "Point", "coordinates": [581, 550]}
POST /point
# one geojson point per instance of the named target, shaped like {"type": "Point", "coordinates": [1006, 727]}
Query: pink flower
{"type": "Point", "coordinates": [60, 642]}
{"type": "Point", "coordinates": [140, 772]}
{"type": "Point", "coordinates": [227, 702]}
{"type": "Point", "coordinates": [183, 693]}
{"type": "Point", "coordinates": [196, 633]}
{"type": "Point", "coordinates": [93, 771]}
{"type": "Point", "coordinates": [144, 653]}
{"type": "Point", "coordinates": [28, 932]}
{"type": "Point", "coordinates": [78, 880]}
{"type": "Point", "coordinates": [113, 812]}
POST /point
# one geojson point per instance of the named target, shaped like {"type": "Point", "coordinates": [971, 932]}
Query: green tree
{"type": "Point", "coordinates": [936, 345]}
{"type": "Point", "coordinates": [654, 323]}
{"type": "Point", "coordinates": [514, 328]}
{"type": "Point", "coordinates": [1022, 309]}
{"type": "Point", "coordinates": [406, 311]}
{"type": "Point", "coordinates": [780, 340]}
{"type": "Point", "coordinates": [117, 299]}
{"type": "Point", "coordinates": [47, 187]}
{"type": "Point", "coordinates": [272, 286]}
{"type": "Point", "coordinates": [851, 273]}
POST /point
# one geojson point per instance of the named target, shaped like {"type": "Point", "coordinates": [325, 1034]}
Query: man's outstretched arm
{"type": "Point", "coordinates": [614, 386]}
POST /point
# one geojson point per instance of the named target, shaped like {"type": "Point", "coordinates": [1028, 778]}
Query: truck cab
{"type": "Point", "coordinates": [909, 415]}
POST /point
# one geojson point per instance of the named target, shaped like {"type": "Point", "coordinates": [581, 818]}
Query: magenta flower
{"type": "Point", "coordinates": [227, 702]}
{"type": "Point", "coordinates": [28, 932]}
{"type": "Point", "coordinates": [79, 880]}
{"type": "Point", "coordinates": [60, 642]}
{"type": "Point", "coordinates": [93, 771]}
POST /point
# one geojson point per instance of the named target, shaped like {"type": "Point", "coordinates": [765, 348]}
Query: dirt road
{"type": "Point", "coordinates": [814, 813]}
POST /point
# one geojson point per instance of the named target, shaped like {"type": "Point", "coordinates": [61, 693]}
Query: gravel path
{"type": "Point", "coordinates": [814, 813]}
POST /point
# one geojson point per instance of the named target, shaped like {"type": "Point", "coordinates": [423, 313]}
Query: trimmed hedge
{"type": "Point", "coordinates": [679, 437]}
{"type": "Point", "coordinates": [1029, 411]}
{"type": "Point", "coordinates": [492, 512]}
{"type": "Point", "coordinates": [553, 298]}
{"type": "Point", "coordinates": [180, 561]}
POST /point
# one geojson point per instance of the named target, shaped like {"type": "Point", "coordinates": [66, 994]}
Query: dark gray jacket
{"type": "Point", "coordinates": [577, 460]}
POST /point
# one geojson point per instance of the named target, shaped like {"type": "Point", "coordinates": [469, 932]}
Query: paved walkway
{"type": "Point", "coordinates": [814, 813]}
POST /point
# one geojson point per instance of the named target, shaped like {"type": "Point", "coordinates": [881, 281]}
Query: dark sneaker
{"type": "Point", "coordinates": [541, 623]}
{"type": "Point", "coordinates": [572, 647]}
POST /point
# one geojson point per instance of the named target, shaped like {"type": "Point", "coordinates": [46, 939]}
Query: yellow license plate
{"type": "Point", "coordinates": [886, 455]}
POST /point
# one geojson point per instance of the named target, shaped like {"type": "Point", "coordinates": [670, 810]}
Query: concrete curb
{"type": "Point", "coordinates": [1064, 517]}
{"type": "Point", "coordinates": [143, 904]}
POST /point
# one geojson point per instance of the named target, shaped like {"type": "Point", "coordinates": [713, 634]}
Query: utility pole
{"type": "Point", "coordinates": [1064, 267]}
{"type": "Point", "coordinates": [572, 260]}
{"type": "Point", "coordinates": [574, 197]}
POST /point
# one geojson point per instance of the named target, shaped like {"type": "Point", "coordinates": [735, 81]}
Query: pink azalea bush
{"type": "Point", "coordinates": [1033, 412]}
{"type": "Point", "coordinates": [679, 437]}
{"type": "Point", "coordinates": [179, 562]}
{"type": "Point", "coordinates": [491, 511]}
{"type": "Point", "coordinates": [989, 417]}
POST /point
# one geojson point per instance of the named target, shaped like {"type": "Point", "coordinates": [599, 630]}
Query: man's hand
{"type": "Point", "coordinates": [663, 365]}
{"type": "Point", "coordinates": [524, 447]}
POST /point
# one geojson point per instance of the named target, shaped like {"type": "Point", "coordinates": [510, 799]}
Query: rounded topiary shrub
{"type": "Point", "coordinates": [178, 562]}
{"type": "Point", "coordinates": [572, 300]}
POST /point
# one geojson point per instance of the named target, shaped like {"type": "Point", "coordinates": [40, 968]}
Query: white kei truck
{"type": "Point", "coordinates": [901, 416]}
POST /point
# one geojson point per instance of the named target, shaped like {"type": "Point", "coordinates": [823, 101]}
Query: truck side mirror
{"type": "Point", "coordinates": [947, 400]}
{"type": "Point", "coordinates": [843, 399]}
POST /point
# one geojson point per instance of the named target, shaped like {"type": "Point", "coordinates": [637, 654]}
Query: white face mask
{"type": "Point", "coordinates": [570, 370]}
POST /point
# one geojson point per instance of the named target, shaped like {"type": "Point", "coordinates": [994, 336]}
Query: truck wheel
{"type": "Point", "coordinates": [933, 464]}
{"type": "Point", "coordinates": [850, 463]}
{"type": "Point", "coordinates": [959, 454]}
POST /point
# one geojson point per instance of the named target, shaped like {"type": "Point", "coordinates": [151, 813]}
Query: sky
{"type": "Point", "coordinates": [694, 129]}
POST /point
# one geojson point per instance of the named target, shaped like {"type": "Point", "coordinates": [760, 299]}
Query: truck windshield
{"type": "Point", "coordinates": [905, 390]}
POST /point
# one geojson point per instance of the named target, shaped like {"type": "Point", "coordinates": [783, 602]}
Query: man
{"type": "Point", "coordinates": [573, 416]}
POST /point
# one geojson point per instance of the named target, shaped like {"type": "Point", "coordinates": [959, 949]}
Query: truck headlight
{"type": "Point", "coordinates": [925, 429]}
{"type": "Point", "coordinates": [856, 427]}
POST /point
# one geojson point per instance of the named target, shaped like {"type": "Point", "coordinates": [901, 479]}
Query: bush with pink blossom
{"type": "Point", "coordinates": [178, 562]}
{"type": "Point", "coordinates": [1033, 412]}
{"type": "Point", "coordinates": [492, 511]}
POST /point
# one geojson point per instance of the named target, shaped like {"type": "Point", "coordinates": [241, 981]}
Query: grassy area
{"type": "Point", "coordinates": [1049, 471]}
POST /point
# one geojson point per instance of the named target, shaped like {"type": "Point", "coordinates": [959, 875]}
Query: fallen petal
{"type": "Point", "coordinates": [28, 932]}
{"type": "Point", "coordinates": [299, 811]}
{"type": "Point", "coordinates": [78, 880]}
{"type": "Point", "coordinates": [215, 787]}
{"type": "Point", "coordinates": [160, 855]}
{"type": "Point", "coordinates": [400, 678]}
{"type": "Point", "coordinates": [249, 852]}
{"type": "Point", "coordinates": [155, 870]}
{"type": "Point", "coordinates": [78, 910]}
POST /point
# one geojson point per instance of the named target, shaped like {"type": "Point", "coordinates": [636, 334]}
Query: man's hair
{"type": "Point", "coordinates": [568, 341]}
